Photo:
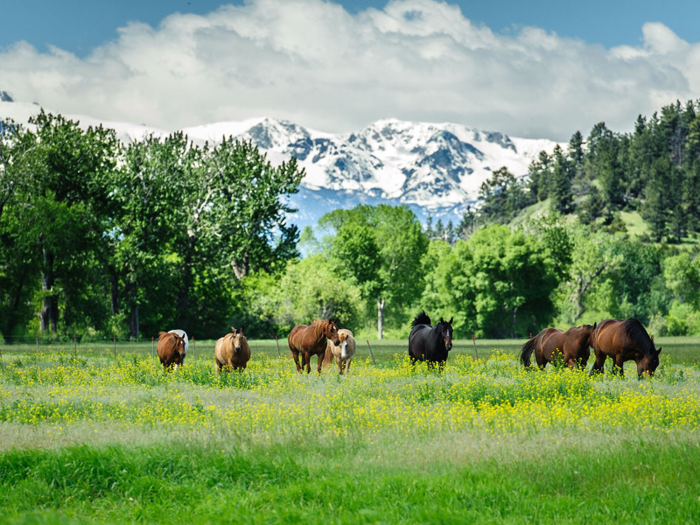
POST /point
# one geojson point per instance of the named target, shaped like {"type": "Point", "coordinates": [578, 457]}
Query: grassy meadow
{"type": "Point", "coordinates": [91, 438]}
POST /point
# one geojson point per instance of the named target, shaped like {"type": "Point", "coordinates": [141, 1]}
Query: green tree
{"type": "Point", "coordinates": [560, 191]}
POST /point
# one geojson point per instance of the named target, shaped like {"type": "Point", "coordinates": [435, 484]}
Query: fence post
{"type": "Point", "coordinates": [475, 352]}
{"type": "Point", "coordinates": [371, 353]}
{"type": "Point", "coordinates": [115, 347]}
{"type": "Point", "coordinates": [152, 348]}
{"type": "Point", "coordinates": [278, 347]}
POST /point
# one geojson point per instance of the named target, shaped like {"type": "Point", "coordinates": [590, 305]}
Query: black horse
{"type": "Point", "coordinates": [430, 343]}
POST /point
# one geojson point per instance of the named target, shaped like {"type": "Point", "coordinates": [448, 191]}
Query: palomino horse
{"type": "Point", "coordinates": [232, 351]}
{"type": "Point", "coordinates": [571, 346]}
{"type": "Point", "coordinates": [342, 353]}
{"type": "Point", "coordinates": [309, 340]}
{"type": "Point", "coordinates": [171, 349]}
{"type": "Point", "coordinates": [624, 341]}
{"type": "Point", "coordinates": [430, 343]}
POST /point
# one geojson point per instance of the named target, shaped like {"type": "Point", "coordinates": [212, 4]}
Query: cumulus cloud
{"type": "Point", "coordinates": [312, 62]}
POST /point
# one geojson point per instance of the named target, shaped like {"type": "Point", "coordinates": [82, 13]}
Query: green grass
{"type": "Point", "coordinates": [629, 482]}
{"type": "Point", "coordinates": [94, 440]}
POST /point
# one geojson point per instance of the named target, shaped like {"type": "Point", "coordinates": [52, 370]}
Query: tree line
{"type": "Point", "coordinates": [100, 239]}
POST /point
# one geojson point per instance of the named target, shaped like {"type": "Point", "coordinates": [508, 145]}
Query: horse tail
{"type": "Point", "coordinates": [421, 318]}
{"type": "Point", "coordinates": [527, 350]}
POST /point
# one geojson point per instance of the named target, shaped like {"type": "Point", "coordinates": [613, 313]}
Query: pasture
{"type": "Point", "coordinates": [94, 438]}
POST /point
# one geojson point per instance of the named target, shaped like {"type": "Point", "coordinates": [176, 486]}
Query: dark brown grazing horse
{"type": "Point", "coordinates": [430, 343]}
{"type": "Point", "coordinates": [572, 346]}
{"type": "Point", "coordinates": [171, 349]}
{"type": "Point", "coordinates": [309, 340]}
{"type": "Point", "coordinates": [624, 341]}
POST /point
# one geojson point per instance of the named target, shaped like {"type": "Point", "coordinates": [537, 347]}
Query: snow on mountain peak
{"type": "Point", "coordinates": [433, 167]}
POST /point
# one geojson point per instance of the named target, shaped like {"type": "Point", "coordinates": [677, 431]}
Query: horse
{"type": "Point", "coordinates": [309, 340]}
{"type": "Point", "coordinates": [182, 334]}
{"type": "Point", "coordinates": [171, 349]}
{"type": "Point", "coordinates": [624, 341]}
{"type": "Point", "coordinates": [232, 351]}
{"type": "Point", "coordinates": [572, 345]}
{"type": "Point", "coordinates": [342, 353]}
{"type": "Point", "coordinates": [430, 343]}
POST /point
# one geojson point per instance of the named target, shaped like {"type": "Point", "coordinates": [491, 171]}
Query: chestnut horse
{"type": "Point", "coordinates": [309, 340]}
{"type": "Point", "coordinates": [232, 351]}
{"type": "Point", "coordinates": [624, 341]}
{"type": "Point", "coordinates": [430, 343]}
{"type": "Point", "coordinates": [342, 353]}
{"type": "Point", "coordinates": [572, 345]}
{"type": "Point", "coordinates": [171, 349]}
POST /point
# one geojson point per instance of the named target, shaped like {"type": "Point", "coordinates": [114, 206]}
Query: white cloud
{"type": "Point", "coordinates": [312, 62]}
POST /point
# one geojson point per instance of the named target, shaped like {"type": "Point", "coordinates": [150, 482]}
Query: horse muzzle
{"type": "Point", "coordinates": [448, 346]}
{"type": "Point", "coordinates": [238, 349]}
{"type": "Point", "coordinates": [336, 342]}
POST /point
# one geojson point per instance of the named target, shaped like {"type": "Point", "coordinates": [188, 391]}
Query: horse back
{"type": "Point", "coordinates": [417, 341]}
{"type": "Point", "coordinates": [303, 339]}
{"type": "Point", "coordinates": [166, 345]}
{"type": "Point", "coordinates": [609, 337]}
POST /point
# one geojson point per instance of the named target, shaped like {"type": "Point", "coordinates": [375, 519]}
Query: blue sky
{"type": "Point", "coordinates": [536, 70]}
{"type": "Point", "coordinates": [80, 25]}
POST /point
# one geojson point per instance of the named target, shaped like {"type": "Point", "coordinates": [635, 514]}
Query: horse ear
{"type": "Point", "coordinates": [161, 334]}
{"type": "Point", "coordinates": [658, 351]}
{"type": "Point", "coordinates": [451, 319]}
{"type": "Point", "coordinates": [240, 330]}
{"type": "Point", "coordinates": [595, 325]}
{"type": "Point", "coordinates": [442, 320]}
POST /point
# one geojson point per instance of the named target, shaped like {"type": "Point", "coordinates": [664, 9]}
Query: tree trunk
{"type": "Point", "coordinates": [134, 322]}
{"type": "Point", "coordinates": [114, 292]}
{"type": "Point", "coordinates": [183, 299]}
{"type": "Point", "coordinates": [49, 310]}
{"type": "Point", "coordinates": [380, 317]}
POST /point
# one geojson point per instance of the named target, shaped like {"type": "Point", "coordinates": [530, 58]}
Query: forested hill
{"type": "Point", "coordinates": [103, 239]}
{"type": "Point", "coordinates": [654, 171]}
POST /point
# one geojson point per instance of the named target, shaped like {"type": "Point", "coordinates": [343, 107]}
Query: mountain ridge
{"type": "Point", "coordinates": [435, 168]}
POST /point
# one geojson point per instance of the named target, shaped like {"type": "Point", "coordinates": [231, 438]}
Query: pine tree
{"type": "Point", "coordinates": [562, 196]}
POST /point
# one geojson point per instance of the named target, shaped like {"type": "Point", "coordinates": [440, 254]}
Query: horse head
{"type": "Point", "coordinates": [237, 339]}
{"type": "Point", "coordinates": [648, 363]}
{"type": "Point", "coordinates": [446, 328]}
{"type": "Point", "coordinates": [331, 331]}
{"type": "Point", "coordinates": [180, 345]}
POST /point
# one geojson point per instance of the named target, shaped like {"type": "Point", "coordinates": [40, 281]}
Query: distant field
{"type": "Point", "coordinates": [679, 349]}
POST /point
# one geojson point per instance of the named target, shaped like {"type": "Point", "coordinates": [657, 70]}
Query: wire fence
{"type": "Point", "coordinates": [204, 349]}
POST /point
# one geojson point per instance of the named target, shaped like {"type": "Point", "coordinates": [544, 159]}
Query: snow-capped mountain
{"type": "Point", "coordinates": [434, 168]}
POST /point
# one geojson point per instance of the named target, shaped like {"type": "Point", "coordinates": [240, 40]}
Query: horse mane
{"type": "Point", "coordinates": [421, 318]}
{"type": "Point", "coordinates": [317, 325]}
{"type": "Point", "coordinates": [635, 331]}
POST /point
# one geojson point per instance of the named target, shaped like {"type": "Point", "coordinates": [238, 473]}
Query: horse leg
{"type": "Point", "coordinates": [320, 361]}
{"type": "Point", "coordinates": [599, 365]}
{"type": "Point", "coordinates": [441, 366]}
{"type": "Point", "coordinates": [619, 366]}
{"type": "Point", "coordinates": [347, 365]}
{"type": "Point", "coordinates": [307, 362]}
{"type": "Point", "coordinates": [295, 354]}
{"type": "Point", "coordinates": [340, 365]}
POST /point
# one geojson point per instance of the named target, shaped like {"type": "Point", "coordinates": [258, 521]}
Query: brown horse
{"type": "Point", "coordinates": [624, 341]}
{"type": "Point", "coordinates": [572, 346]}
{"type": "Point", "coordinates": [232, 351]}
{"type": "Point", "coordinates": [171, 349]}
{"type": "Point", "coordinates": [309, 340]}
